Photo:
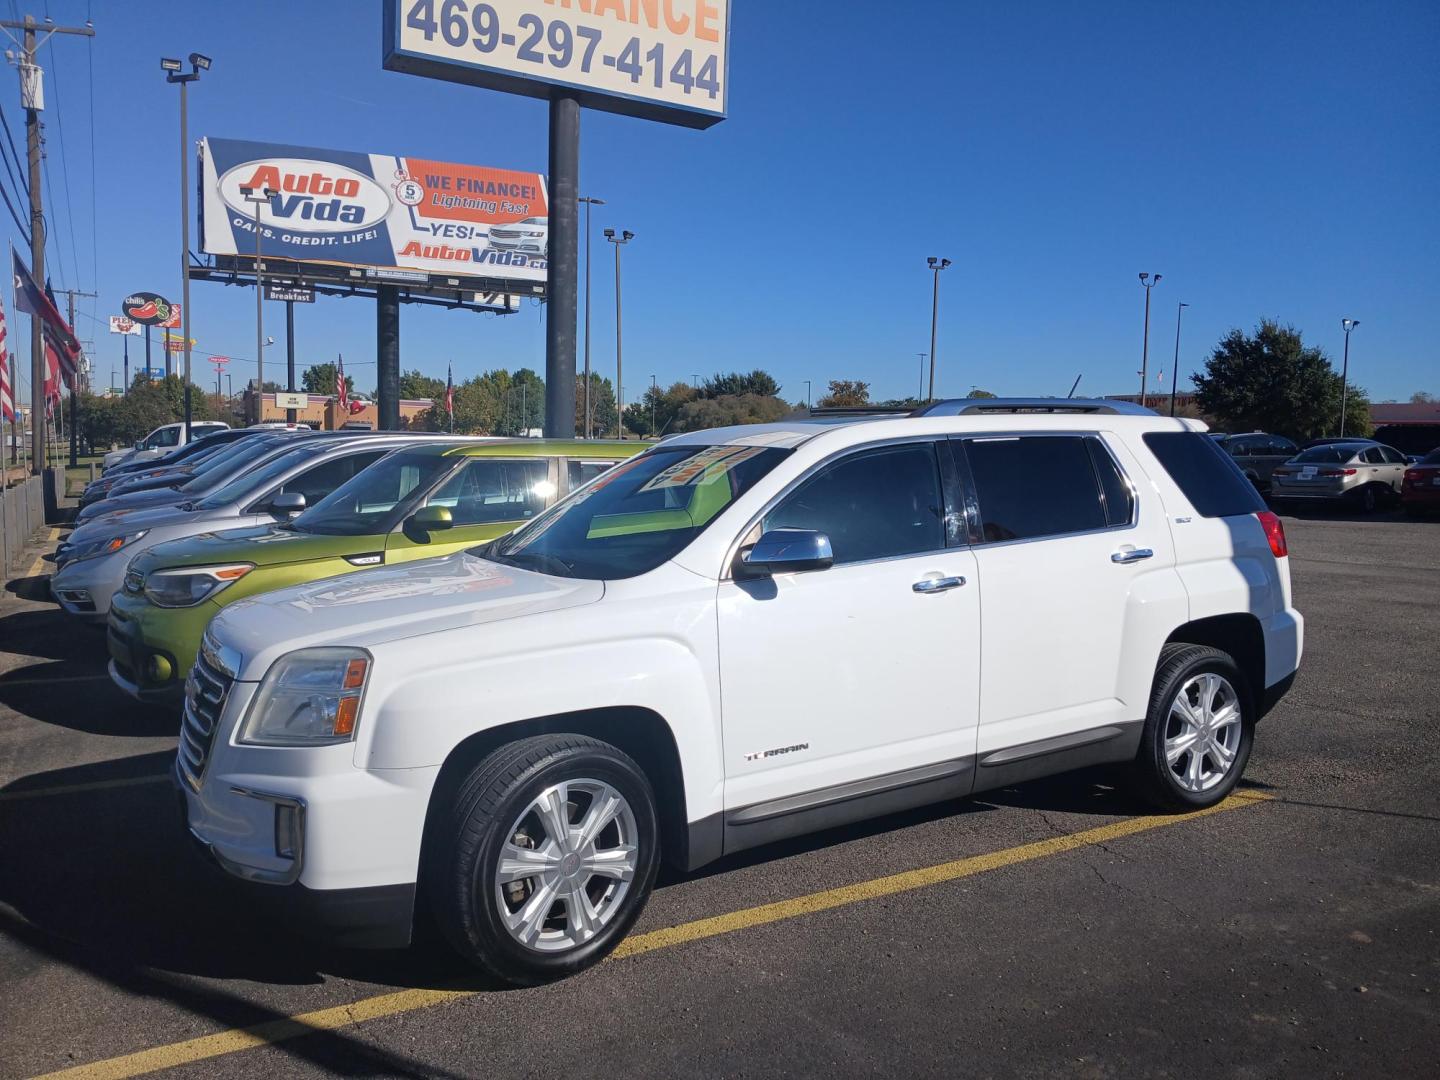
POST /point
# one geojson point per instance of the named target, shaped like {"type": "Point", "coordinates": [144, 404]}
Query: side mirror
{"type": "Point", "coordinates": [787, 551]}
{"type": "Point", "coordinates": [419, 525]}
{"type": "Point", "coordinates": [287, 504]}
{"type": "Point", "coordinates": [139, 444]}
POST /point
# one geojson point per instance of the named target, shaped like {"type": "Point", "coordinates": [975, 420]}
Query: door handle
{"type": "Point", "coordinates": [936, 585]}
{"type": "Point", "coordinates": [1132, 555]}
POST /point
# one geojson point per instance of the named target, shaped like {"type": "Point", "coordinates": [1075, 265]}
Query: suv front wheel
{"type": "Point", "coordinates": [1198, 731]}
{"type": "Point", "coordinates": [545, 857]}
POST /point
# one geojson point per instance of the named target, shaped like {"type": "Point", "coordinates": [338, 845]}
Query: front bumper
{"type": "Point", "coordinates": [138, 634]}
{"type": "Point", "coordinates": [373, 917]}
{"type": "Point", "coordinates": [84, 588]}
{"type": "Point", "coordinates": [326, 840]}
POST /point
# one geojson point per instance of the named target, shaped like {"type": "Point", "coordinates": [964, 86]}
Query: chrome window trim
{"type": "Point", "coordinates": [980, 542]}
{"type": "Point", "coordinates": [733, 551]}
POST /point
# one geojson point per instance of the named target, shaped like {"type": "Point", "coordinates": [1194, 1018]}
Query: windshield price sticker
{"type": "Point", "coordinates": [661, 59]}
{"type": "Point", "coordinates": [708, 464]}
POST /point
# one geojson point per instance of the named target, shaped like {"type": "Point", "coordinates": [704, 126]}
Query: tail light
{"type": "Point", "coordinates": [1336, 472]}
{"type": "Point", "coordinates": [1412, 476]}
{"type": "Point", "coordinates": [1275, 533]}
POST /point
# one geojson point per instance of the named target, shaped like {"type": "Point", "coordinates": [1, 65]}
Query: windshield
{"type": "Point", "coordinates": [224, 464]}
{"type": "Point", "coordinates": [255, 479]}
{"type": "Point", "coordinates": [1327, 455]}
{"type": "Point", "coordinates": [637, 515]}
{"type": "Point", "coordinates": [373, 500]}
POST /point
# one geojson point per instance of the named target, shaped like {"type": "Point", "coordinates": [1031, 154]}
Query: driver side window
{"type": "Point", "coordinates": [877, 504]}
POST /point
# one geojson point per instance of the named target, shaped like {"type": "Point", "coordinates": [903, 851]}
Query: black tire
{"type": "Point", "coordinates": [1153, 779]}
{"type": "Point", "coordinates": [461, 863]}
{"type": "Point", "coordinates": [1365, 499]}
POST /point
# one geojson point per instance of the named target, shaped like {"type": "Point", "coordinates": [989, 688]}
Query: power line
{"type": "Point", "coordinates": [22, 182]}
{"type": "Point", "coordinates": [64, 161]}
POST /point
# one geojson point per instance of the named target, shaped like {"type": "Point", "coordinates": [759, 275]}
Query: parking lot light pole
{"type": "Point", "coordinates": [921, 396]}
{"type": "Point", "coordinates": [589, 202]}
{"type": "Point", "coordinates": [1175, 368]}
{"type": "Point", "coordinates": [258, 197]}
{"type": "Point", "coordinates": [174, 74]}
{"type": "Point", "coordinates": [1347, 325]}
{"type": "Point", "coordinates": [936, 265]}
{"type": "Point", "coordinates": [807, 396]}
{"type": "Point", "coordinates": [624, 238]}
{"type": "Point", "coordinates": [1149, 281]}
{"type": "Point", "coordinates": [654, 393]}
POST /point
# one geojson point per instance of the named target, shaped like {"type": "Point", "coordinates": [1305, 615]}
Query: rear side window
{"type": "Point", "coordinates": [490, 489]}
{"type": "Point", "coordinates": [1032, 486]}
{"type": "Point", "coordinates": [1209, 479]}
{"type": "Point", "coordinates": [1119, 499]}
{"type": "Point", "coordinates": [582, 472]}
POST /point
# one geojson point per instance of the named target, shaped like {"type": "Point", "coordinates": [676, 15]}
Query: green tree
{"type": "Point", "coordinates": [414, 384]}
{"type": "Point", "coordinates": [602, 405]}
{"type": "Point", "coordinates": [757, 382]}
{"type": "Point", "coordinates": [845, 393]}
{"type": "Point", "coordinates": [729, 409]}
{"type": "Point", "coordinates": [498, 402]}
{"type": "Point", "coordinates": [1420, 397]}
{"type": "Point", "coordinates": [666, 403]}
{"type": "Point", "coordinates": [978, 393]}
{"type": "Point", "coordinates": [320, 379]}
{"type": "Point", "coordinates": [1271, 381]}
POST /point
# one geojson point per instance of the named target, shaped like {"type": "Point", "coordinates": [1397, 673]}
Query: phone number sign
{"type": "Point", "coordinates": [664, 60]}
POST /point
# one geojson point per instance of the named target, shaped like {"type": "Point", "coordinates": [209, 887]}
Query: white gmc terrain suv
{"type": "Point", "coordinates": [740, 635]}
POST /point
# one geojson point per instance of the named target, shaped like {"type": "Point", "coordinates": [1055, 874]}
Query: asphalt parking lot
{"type": "Point", "coordinates": [1053, 929]}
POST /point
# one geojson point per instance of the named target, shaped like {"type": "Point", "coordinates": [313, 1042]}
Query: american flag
{"type": "Point", "coordinates": [450, 394]}
{"type": "Point", "coordinates": [341, 397]}
{"type": "Point", "coordinates": [61, 349]}
{"type": "Point", "coordinates": [7, 395]}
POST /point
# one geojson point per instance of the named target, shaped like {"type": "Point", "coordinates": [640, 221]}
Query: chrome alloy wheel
{"type": "Point", "coordinates": [566, 865]}
{"type": "Point", "coordinates": [1202, 732]}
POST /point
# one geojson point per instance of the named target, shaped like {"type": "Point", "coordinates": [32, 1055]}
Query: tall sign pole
{"type": "Point", "coordinates": [562, 272]}
{"type": "Point", "coordinates": [32, 100]}
{"type": "Point", "coordinates": [673, 70]}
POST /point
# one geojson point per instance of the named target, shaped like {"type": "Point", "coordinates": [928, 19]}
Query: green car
{"type": "Point", "coordinates": [415, 503]}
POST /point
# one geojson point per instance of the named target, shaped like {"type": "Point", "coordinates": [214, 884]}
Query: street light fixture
{"type": "Point", "coordinates": [1149, 281]}
{"type": "Point", "coordinates": [258, 197]}
{"type": "Point", "coordinates": [1347, 325]}
{"type": "Point", "coordinates": [936, 265]}
{"type": "Point", "coordinates": [589, 202]}
{"type": "Point", "coordinates": [624, 238]}
{"type": "Point", "coordinates": [174, 73]}
{"type": "Point", "coordinates": [1175, 368]}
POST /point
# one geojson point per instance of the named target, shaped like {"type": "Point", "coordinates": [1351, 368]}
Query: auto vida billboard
{"type": "Point", "coordinates": [374, 210]}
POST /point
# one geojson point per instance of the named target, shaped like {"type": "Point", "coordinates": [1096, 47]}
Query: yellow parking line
{"type": "Point", "coordinates": [38, 565]}
{"type": "Point", "coordinates": [403, 1001]}
{"type": "Point", "coordinates": [95, 785]}
{"type": "Point", "coordinates": [58, 681]}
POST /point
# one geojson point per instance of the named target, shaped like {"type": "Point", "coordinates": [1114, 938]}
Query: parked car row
{"type": "Point", "coordinates": [522, 673]}
{"type": "Point", "coordinates": [1361, 473]}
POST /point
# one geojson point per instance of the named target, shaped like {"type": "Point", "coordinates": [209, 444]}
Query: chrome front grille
{"type": "Point", "coordinates": [205, 692]}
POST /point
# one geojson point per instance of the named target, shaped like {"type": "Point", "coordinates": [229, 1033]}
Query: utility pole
{"type": "Point", "coordinates": [935, 265]}
{"type": "Point", "coordinates": [75, 388]}
{"type": "Point", "coordinates": [585, 428]}
{"type": "Point", "coordinates": [32, 100]}
{"type": "Point", "coordinates": [1145, 280]}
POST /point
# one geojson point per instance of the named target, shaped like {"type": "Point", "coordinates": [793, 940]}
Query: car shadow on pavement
{"type": "Point", "coordinates": [30, 588]}
{"type": "Point", "coordinates": [97, 858]}
{"type": "Point", "coordinates": [51, 634]}
{"type": "Point", "coordinates": [80, 697]}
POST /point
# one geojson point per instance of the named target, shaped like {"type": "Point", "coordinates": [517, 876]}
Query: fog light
{"type": "Point", "coordinates": [287, 831]}
{"type": "Point", "coordinates": [161, 670]}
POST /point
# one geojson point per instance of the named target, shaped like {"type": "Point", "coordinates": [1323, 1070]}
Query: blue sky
{"type": "Point", "coordinates": [1270, 160]}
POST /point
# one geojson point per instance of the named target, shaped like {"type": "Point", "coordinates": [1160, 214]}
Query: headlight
{"type": "Point", "coordinates": [308, 698]}
{"type": "Point", "coordinates": [108, 546]}
{"type": "Point", "coordinates": [186, 586]}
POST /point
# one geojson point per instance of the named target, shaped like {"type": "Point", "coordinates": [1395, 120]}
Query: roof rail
{"type": "Point", "coordinates": [980, 406]}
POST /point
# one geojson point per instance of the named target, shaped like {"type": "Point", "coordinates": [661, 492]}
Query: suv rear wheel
{"type": "Point", "coordinates": [1198, 730]}
{"type": "Point", "coordinates": [545, 857]}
